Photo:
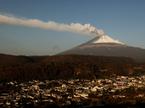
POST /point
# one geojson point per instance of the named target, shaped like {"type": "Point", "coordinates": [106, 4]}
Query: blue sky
{"type": "Point", "coordinates": [121, 19]}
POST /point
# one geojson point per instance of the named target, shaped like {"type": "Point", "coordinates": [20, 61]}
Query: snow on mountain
{"type": "Point", "coordinates": [106, 39]}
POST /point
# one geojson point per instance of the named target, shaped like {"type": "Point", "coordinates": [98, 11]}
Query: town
{"type": "Point", "coordinates": [76, 92]}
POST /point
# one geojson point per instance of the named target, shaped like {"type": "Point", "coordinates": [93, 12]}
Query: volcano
{"type": "Point", "coordinates": [106, 46]}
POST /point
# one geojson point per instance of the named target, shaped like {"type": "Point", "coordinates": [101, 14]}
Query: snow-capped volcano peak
{"type": "Point", "coordinates": [106, 46]}
{"type": "Point", "coordinates": [106, 39]}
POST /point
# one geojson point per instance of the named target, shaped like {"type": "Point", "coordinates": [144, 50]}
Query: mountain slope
{"type": "Point", "coordinates": [106, 46]}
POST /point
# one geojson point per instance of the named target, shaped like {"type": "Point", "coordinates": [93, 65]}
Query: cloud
{"type": "Point", "coordinates": [51, 25]}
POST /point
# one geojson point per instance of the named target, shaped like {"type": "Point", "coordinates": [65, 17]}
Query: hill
{"type": "Point", "coordinates": [66, 67]}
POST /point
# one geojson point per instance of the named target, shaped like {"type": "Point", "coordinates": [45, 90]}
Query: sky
{"type": "Point", "coordinates": [123, 20]}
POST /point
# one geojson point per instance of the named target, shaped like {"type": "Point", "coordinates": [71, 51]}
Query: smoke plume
{"type": "Point", "coordinates": [51, 25]}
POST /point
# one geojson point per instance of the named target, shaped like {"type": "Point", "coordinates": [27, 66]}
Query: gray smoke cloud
{"type": "Point", "coordinates": [51, 25]}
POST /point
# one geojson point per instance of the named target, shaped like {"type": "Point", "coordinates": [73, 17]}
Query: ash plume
{"type": "Point", "coordinates": [51, 25]}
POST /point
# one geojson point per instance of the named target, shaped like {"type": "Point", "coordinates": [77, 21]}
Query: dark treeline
{"type": "Point", "coordinates": [25, 68]}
